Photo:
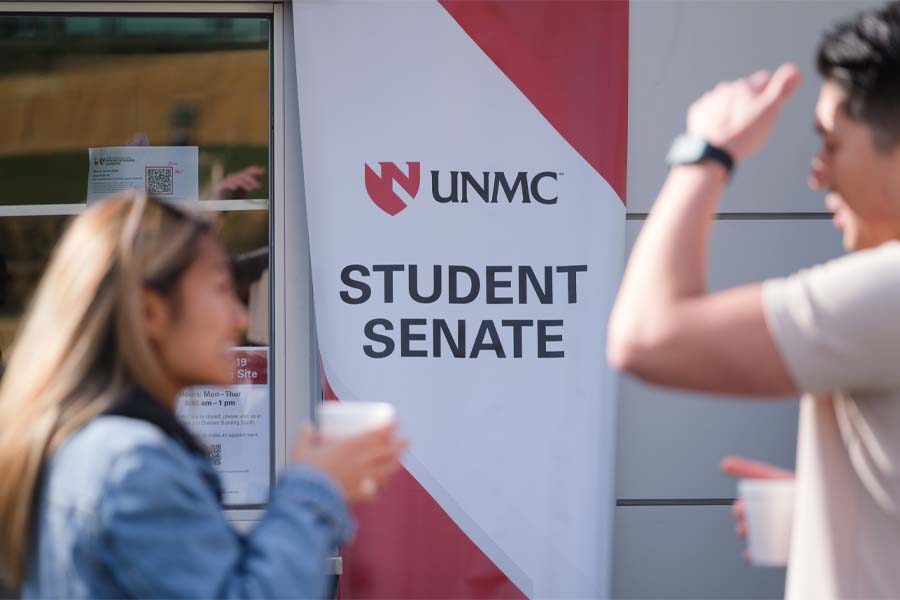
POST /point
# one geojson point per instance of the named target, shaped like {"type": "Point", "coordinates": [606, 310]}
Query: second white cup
{"type": "Point", "coordinates": [769, 512]}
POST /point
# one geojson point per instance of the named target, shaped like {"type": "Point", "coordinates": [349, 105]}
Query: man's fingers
{"type": "Point", "coordinates": [757, 81]}
{"type": "Point", "coordinates": [782, 84]}
{"type": "Point", "coordinates": [778, 89]}
{"type": "Point", "coordinates": [738, 508]}
{"type": "Point", "coordinates": [741, 529]}
{"type": "Point", "coordinates": [751, 469]}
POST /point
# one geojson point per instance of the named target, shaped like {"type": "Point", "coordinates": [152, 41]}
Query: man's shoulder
{"type": "Point", "coordinates": [874, 266]}
{"type": "Point", "coordinates": [888, 251]}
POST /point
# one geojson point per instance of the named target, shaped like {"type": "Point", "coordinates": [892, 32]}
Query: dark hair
{"type": "Point", "coordinates": [862, 56]}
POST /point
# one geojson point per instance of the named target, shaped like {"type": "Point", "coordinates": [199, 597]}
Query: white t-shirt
{"type": "Point", "coordinates": [837, 327]}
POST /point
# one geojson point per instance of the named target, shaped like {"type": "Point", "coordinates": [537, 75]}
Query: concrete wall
{"type": "Point", "coordinates": [674, 536]}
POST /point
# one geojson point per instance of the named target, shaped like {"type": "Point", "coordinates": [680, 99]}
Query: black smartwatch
{"type": "Point", "coordinates": [690, 149]}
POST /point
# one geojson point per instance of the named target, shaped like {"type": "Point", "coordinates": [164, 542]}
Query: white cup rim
{"type": "Point", "coordinates": [339, 406]}
{"type": "Point", "coordinates": [757, 487]}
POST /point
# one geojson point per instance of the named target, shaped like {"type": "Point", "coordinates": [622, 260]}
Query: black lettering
{"type": "Point", "coordinates": [442, 330]}
{"type": "Point", "coordinates": [544, 338]}
{"type": "Point", "coordinates": [482, 190]}
{"type": "Point", "coordinates": [491, 284]}
{"type": "Point", "coordinates": [474, 284]}
{"type": "Point", "coordinates": [517, 325]}
{"type": "Point", "coordinates": [377, 337]}
{"type": "Point", "coordinates": [406, 336]}
{"type": "Point", "coordinates": [572, 272]}
{"type": "Point", "coordinates": [414, 285]}
{"type": "Point", "coordinates": [487, 328]}
{"type": "Point", "coordinates": [388, 271]}
{"type": "Point", "coordinates": [544, 293]}
{"type": "Point", "coordinates": [363, 287]}
{"type": "Point", "coordinates": [535, 188]}
{"type": "Point", "coordinates": [500, 181]}
{"type": "Point", "coordinates": [436, 188]}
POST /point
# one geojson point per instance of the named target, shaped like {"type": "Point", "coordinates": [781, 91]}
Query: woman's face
{"type": "Point", "coordinates": [194, 331]}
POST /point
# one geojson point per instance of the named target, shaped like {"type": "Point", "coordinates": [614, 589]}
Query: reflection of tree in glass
{"type": "Point", "coordinates": [25, 246]}
{"type": "Point", "coordinates": [182, 119]}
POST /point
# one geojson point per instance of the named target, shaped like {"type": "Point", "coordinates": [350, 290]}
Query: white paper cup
{"type": "Point", "coordinates": [769, 512]}
{"type": "Point", "coordinates": [347, 419]}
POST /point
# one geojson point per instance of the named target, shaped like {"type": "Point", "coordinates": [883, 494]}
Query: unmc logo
{"type": "Point", "coordinates": [491, 187]}
{"type": "Point", "coordinates": [381, 187]}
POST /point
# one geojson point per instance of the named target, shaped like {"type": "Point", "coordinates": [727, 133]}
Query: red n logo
{"type": "Point", "coordinates": [381, 187]}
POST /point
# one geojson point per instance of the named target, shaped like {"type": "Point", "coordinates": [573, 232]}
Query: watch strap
{"type": "Point", "coordinates": [690, 149]}
{"type": "Point", "coordinates": [719, 155]}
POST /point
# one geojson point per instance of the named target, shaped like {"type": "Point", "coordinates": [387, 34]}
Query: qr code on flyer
{"type": "Point", "coordinates": [214, 453]}
{"type": "Point", "coordinates": [159, 180]}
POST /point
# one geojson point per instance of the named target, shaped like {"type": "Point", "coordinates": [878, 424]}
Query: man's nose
{"type": "Point", "coordinates": [818, 178]}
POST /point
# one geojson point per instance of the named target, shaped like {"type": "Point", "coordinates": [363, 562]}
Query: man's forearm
{"type": "Point", "coordinates": [668, 262]}
{"type": "Point", "coordinates": [665, 327]}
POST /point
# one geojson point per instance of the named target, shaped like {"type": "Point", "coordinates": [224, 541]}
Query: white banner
{"type": "Point", "coordinates": [465, 258]}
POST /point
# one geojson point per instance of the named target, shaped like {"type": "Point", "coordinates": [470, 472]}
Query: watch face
{"type": "Point", "coordinates": [690, 149]}
{"type": "Point", "coordinates": [687, 149]}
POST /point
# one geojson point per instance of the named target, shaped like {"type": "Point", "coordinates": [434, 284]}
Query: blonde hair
{"type": "Point", "coordinates": [83, 344]}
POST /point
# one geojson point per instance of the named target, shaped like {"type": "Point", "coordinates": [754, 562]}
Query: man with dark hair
{"type": "Point", "coordinates": [831, 332]}
{"type": "Point", "coordinates": [863, 58]}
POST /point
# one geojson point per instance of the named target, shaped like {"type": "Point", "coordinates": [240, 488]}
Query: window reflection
{"type": "Point", "coordinates": [70, 83]}
{"type": "Point", "coordinates": [25, 246]}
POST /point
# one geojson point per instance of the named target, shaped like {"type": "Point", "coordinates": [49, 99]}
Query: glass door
{"type": "Point", "coordinates": [177, 104]}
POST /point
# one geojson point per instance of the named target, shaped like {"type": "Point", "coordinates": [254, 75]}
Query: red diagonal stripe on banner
{"type": "Point", "coordinates": [409, 547]}
{"type": "Point", "coordinates": [570, 59]}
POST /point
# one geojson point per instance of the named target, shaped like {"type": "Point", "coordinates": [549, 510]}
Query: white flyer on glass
{"type": "Point", "coordinates": [234, 424]}
{"type": "Point", "coordinates": [167, 172]}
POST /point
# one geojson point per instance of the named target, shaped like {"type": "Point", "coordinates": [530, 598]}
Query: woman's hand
{"type": "Point", "coordinates": [743, 468]}
{"type": "Point", "coordinates": [359, 464]}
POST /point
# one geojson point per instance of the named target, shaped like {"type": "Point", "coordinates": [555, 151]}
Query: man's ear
{"type": "Point", "coordinates": [156, 315]}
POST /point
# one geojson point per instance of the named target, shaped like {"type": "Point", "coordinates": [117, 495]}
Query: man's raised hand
{"type": "Point", "coordinates": [739, 115]}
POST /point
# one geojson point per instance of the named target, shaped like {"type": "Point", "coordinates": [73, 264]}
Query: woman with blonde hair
{"type": "Point", "coordinates": [104, 493]}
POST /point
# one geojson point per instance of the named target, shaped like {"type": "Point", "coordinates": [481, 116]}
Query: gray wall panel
{"type": "Point", "coordinates": [670, 443]}
{"type": "Point", "coordinates": [685, 552]}
{"type": "Point", "coordinates": [680, 49]}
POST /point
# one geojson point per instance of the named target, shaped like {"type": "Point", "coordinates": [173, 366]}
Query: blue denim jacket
{"type": "Point", "coordinates": [130, 507]}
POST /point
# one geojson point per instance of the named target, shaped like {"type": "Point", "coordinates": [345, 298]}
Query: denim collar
{"type": "Point", "coordinates": [138, 404]}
